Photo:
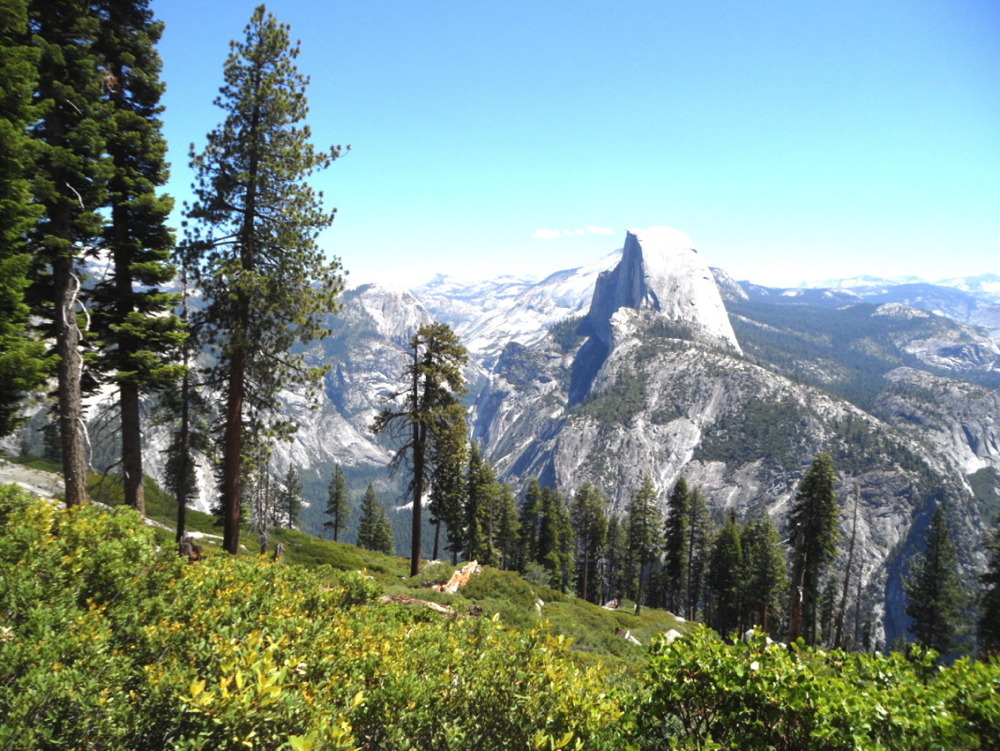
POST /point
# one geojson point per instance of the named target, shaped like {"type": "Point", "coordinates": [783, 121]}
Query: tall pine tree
{"type": "Point", "coordinates": [69, 178]}
{"type": "Point", "coordinates": [132, 315]}
{"type": "Point", "coordinates": [989, 605]}
{"type": "Point", "coordinates": [935, 598]}
{"type": "Point", "coordinates": [675, 543]}
{"type": "Point", "coordinates": [427, 415]}
{"type": "Point", "coordinates": [253, 249]}
{"type": "Point", "coordinates": [726, 576]}
{"type": "Point", "coordinates": [337, 505]}
{"type": "Point", "coordinates": [644, 542]}
{"type": "Point", "coordinates": [22, 358]}
{"type": "Point", "coordinates": [814, 531]}
{"type": "Point", "coordinates": [590, 521]}
{"type": "Point", "coordinates": [766, 573]}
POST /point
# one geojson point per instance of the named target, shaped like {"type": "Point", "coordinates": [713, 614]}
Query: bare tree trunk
{"type": "Point", "coordinates": [68, 372]}
{"type": "Point", "coordinates": [135, 495]}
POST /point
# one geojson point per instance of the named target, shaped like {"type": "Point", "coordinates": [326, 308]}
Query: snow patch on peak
{"type": "Point", "coordinates": [899, 310]}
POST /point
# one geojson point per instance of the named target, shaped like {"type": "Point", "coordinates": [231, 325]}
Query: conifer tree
{"type": "Point", "coordinates": [615, 554]}
{"type": "Point", "coordinates": [480, 502]}
{"type": "Point", "coordinates": [590, 521]}
{"type": "Point", "coordinates": [555, 538]}
{"type": "Point", "coordinates": [814, 532]}
{"type": "Point", "coordinates": [935, 598]}
{"type": "Point", "coordinates": [337, 505]}
{"type": "Point", "coordinates": [530, 517]}
{"type": "Point", "coordinates": [289, 503]}
{"type": "Point", "coordinates": [700, 534]}
{"type": "Point", "coordinates": [69, 178]}
{"type": "Point", "coordinates": [448, 460]}
{"type": "Point", "coordinates": [22, 358]}
{"type": "Point", "coordinates": [508, 528]}
{"type": "Point", "coordinates": [989, 605]}
{"type": "Point", "coordinates": [675, 540]}
{"type": "Point", "coordinates": [253, 249]}
{"type": "Point", "coordinates": [132, 315]}
{"type": "Point", "coordinates": [374, 528]}
{"type": "Point", "coordinates": [434, 385]}
{"type": "Point", "coordinates": [726, 578]}
{"type": "Point", "coordinates": [766, 573]}
{"type": "Point", "coordinates": [644, 542]}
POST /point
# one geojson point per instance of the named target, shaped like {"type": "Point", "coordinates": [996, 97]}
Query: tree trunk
{"type": "Point", "coordinates": [68, 372]}
{"type": "Point", "coordinates": [232, 453]}
{"type": "Point", "coordinates": [185, 441]}
{"type": "Point", "coordinates": [135, 495]}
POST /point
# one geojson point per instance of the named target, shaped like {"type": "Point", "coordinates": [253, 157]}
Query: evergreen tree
{"type": "Point", "coordinates": [700, 534]}
{"type": "Point", "coordinates": [676, 547]}
{"type": "Point", "coordinates": [448, 460]}
{"type": "Point", "coordinates": [935, 598]}
{"type": "Point", "coordinates": [22, 358]}
{"type": "Point", "coordinates": [374, 529]}
{"type": "Point", "coordinates": [264, 512]}
{"type": "Point", "coordinates": [508, 528]}
{"type": "Point", "coordinates": [337, 506]}
{"type": "Point", "coordinates": [766, 573]}
{"type": "Point", "coordinates": [726, 578]}
{"type": "Point", "coordinates": [814, 532]}
{"type": "Point", "coordinates": [989, 606]}
{"type": "Point", "coordinates": [615, 554]}
{"type": "Point", "coordinates": [265, 281]}
{"type": "Point", "coordinates": [555, 539]}
{"type": "Point", "coordinates": [289, 503]}
{"type": "Point", "coordinates": [643, 537]}
{"type": "Point", "coordinates": [481, 497]}
{"type": "Point", "coordinates": [69, 178]}
{"type": "Point", "coordinates": [132, 317]}
{"type": "Point", "coordinates": [530, 518]}
{"type": "Point", "coordinates": [590, 521]}
{"type": "Point", "coordinates": [434, 385]}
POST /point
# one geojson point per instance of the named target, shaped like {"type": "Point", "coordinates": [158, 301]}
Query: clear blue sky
{"type": "Point", "coordinates": [792, 139]}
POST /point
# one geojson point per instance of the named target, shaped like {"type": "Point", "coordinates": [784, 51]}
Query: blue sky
{"type": "Point", "coordinates": [792, 140]}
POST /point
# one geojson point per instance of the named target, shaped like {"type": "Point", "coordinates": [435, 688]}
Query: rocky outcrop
{"type": "Point", "coordinates": [661, 271]}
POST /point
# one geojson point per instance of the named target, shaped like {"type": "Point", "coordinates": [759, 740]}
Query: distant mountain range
{"type": "Point", "coordinates": [649, 362]}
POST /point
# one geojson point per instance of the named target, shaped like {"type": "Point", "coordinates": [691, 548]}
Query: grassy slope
{"type": "Point", "coordinates": [592, 628]}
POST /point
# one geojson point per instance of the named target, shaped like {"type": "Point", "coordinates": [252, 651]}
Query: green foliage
{"type": "Point", "coordinates": [760, 429]}
{"type": "Point", "coordinates": [235, 653]}
{"type": "Point", "coordinates": [989, 605]}
{"type": "Point", "coordinates": [753, 694]}
{"type": "Point", "coordinates": [252, 249]}
{"type": "Point", "coordinates": [22, 358]}
{"type": "Point", "coordinates": [935, 596]}
{"type": "Point", "coordinates": [289, 501]}
{"type": "Point", "coordinates": [619, 402]}
{"type": "Point", "coordinates": [590, 523]}
{"type": "Point", "coordinates": [374, 529]}
{"type": "Point", "coordinates": [337, 504]}
{"type": "Point", "coordinates": [814, 530]}
{"type": "Point", "coordinates": [644, 538]}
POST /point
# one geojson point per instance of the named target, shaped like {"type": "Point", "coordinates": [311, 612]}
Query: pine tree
{"type": "Point", "coordinates": [434, 385]}
{"type": "Point", "coordinates": [766, 573]}
{"type": "Point", "coordinates": [726, 578]}
{"type": "Point", "coordinates": [814, 532]}
{"type": "Point", "coordinates": [989, 604]}
{"type": "Point", "coordinates": [935, 598]}
{"type": "Point", "coordinates": [676, 547]}
{"type": "Point", "coordinates": [22, 358]}
{"type": "Point", "coordinates": [508, 528]}
{"type": "Point", "coordinates": [555, 538]}
{"type": "Point", "coordinates": [289, 502]}
{"type": "Point", "coordinates": [644, 542]}
{"type": "Point", "coordinates": [69, 178]}
{"type": "Point", "coordinates": [480, 501]}
{"type": "Point", "coordinates": [139, 334]}
{"type": "Point", "coordinates": [700, 534]}
{"type": "Point", "coordinates": [265, 281]}
{"type": "Point", "coordinates": [448, 459]}
{"type": "Point", "coordinates": [374, 529]}
{"type": "Point", "coordinates": [615, 554]}
{"type": "Point", "coordinates": [530, 517]}
{"type": "Point", "coordinates": [337, 506]}
{"type": "Point", "coordinates": [590, 522]}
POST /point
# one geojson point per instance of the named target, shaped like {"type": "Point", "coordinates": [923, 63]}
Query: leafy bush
{"type": "Point", "coordinates": [752, 695]}
{"type": "Point", "coordinates": [107, 641]}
